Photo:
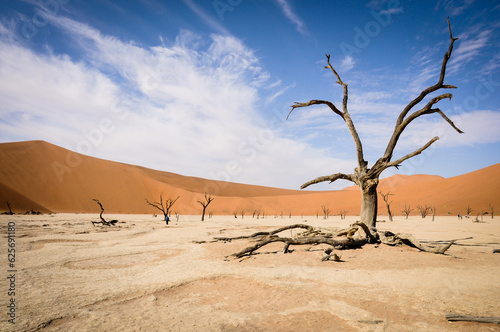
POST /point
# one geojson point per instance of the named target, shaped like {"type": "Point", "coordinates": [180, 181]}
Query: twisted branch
{"type": "Point", "coordinates": [331, 178]}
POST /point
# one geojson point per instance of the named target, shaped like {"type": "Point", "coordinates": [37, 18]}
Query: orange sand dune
{"type": "Point", "coordinates": [44, 177]}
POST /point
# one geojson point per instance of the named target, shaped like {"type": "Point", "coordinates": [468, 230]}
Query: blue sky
{"type": "Point", "coordinates": [202, 88]}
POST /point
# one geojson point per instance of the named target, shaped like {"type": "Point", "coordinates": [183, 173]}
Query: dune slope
{"type": "Point", "coordinates": [47, 178]}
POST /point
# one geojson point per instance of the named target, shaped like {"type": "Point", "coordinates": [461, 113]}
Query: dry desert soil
{"type": "Point", "coordinates": [141, 275]}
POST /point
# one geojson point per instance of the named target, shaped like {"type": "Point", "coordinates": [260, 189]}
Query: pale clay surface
{"type": "Point", "coordinates": [143, 275]}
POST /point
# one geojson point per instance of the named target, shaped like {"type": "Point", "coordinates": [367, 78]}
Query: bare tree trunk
{"type": "Point", "coordinates": [369, 200]}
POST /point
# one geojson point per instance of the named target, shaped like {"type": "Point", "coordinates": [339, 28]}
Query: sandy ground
{"type": "Point", "coordinates": [143, 276]}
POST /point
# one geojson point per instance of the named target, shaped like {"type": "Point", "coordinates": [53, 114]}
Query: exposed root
{"type": "Point", "coordinates": [356, 236]}
{"type": "Point", "coordinates": [341, 239]}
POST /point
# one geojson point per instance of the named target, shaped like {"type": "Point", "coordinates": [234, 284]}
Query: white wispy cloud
{"type": "Point", "coordinates": [347, 63]}
{"type": "Point", "coordinates": [187, 107]}
{"type": "Point", "coordinates": [469, 47]}
{"type": "Point", "coordinates": [454, 7]}
{"type": "Point", "coordinates": [288, 11]}
{"type": "Point", "coordinates": [208, 19]}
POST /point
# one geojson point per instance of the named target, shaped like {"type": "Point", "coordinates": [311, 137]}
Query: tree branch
{"type": "Point", "coordinates": [316, 102]}
{"type": "Point", "coordinates": [331, 178]}
{"type": "Point", "coordinates": [437, 86]}
{"type": "Point", "coordinates": [408, 156]}
{"type": "Point", "coordinates": [437, 110]}
{"type": "Point", "coordinates": [155, 204]}
{"type": "Point", "coordinates": [344, 114]}
{"type": "Point", "coordinates": [403, 121]}
{"type": "Point", "coordinates": [339, 81]}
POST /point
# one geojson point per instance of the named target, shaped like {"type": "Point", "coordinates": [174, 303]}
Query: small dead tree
{"type": "Point", "coordinates": [492, 211]}
{"type": "Point", "coordinates": [208, 199]}
{"type": "Point", "coordinates": [342, 214]}
{"type": "Point", "coordinates": [103, 221]}
{"type": "Point", "coordinates": [433, 209]}
{"type": "Point", "coordinates": [385, 197]}
{"type": "Point", "coordinates": [10, 210]}
{"type": "Point", "coordinates": [468, 211]}
{"type": "Point", "coordinates": [424, 210]}
{"type": "Point", "coordinates": [407, 210]}
{"type": "Point", "coordinates": [326, 212]}
{"type": "Point", "coordinates": [164, 206]}
{"type": "Point", "coordinates": [367, 178]}
{"type": "Point", "coordinates": [242, 214]}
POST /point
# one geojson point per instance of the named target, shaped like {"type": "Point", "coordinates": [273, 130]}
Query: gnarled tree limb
{"type": "Point", "coordinates": [402, 121]}
{"type": "Point", "coordinates": [316, 102]}
{"type": "Point", "coordinates": [331, 178]}
{"type": "Point", "coordinates": [408, 156]}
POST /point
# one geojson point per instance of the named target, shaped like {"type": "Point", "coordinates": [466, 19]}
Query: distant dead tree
{"type": "Point", "coordinates": [367, 178]}
{"type": "Point", "coordinates": [342, 214]}
{"type": "Point", "coordinates": [10, 210]}
{"type": "Point", "coordinates": [424, 210]}
{"type": "Point", "coordinates": [407, 210]}
{"type": "Point", "coordinates": [242, 214]}
{"type": "Point", "coordinates": [468, 210]}
{"type": "Point", "coordinates": [164, 206]}
{"type": "Point", "coordinates": [492, 211]}
{"type": "Point", "coordinates": [433, 209]}
{"type": "Point", "coordinates": [326, 212]}
{"type": "Point", "coordinates": [208, 199]}
{"type": "Point", "coordinates": [385, 197]}
{"type": "Point", "coordinates": [103, 221]}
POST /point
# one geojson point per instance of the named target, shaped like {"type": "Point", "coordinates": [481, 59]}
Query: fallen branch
{"type": "Point", "coordinates": [408, 239]}
{"type": "Point", "coordinates": [467, 318]}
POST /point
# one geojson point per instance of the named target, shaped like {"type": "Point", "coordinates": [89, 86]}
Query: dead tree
{"type": "Point", "coordinates": [492, 211]}
{"type": "Point", "coordinates": [103, 221]}
{"type": "Point", "coordinates": [407, 210]}
{"type": "Point", "coordinates": [326, 211]}
{"type": "Point", "coordinates": [342, 214]}
{"type": "Point", "coordinates": [468, 211]}
{"type": "Point", "coordinates": [424, 210]}
{"type": "Point", "coordinates": [385, 197]}
{"type": "Point", "coordinates": [433, 209]}
{"type": "Point", "coordinates": [164, 207]}
{"type": "Point", "coordinates": [205, 203]}
{"type": "Point", "coordinates": [10, 210]}
{"type": "Point", "coordinates": [367, 178]}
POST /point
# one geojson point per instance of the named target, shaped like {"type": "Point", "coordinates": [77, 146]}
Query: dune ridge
{"type": "Point", "coordinates": [41, 176]}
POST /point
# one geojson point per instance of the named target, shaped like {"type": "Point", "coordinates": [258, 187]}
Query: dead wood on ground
{"type": "Point", "coordinates": [355, 236]}
{"type": "Point", "coordinates": [468, 318]}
